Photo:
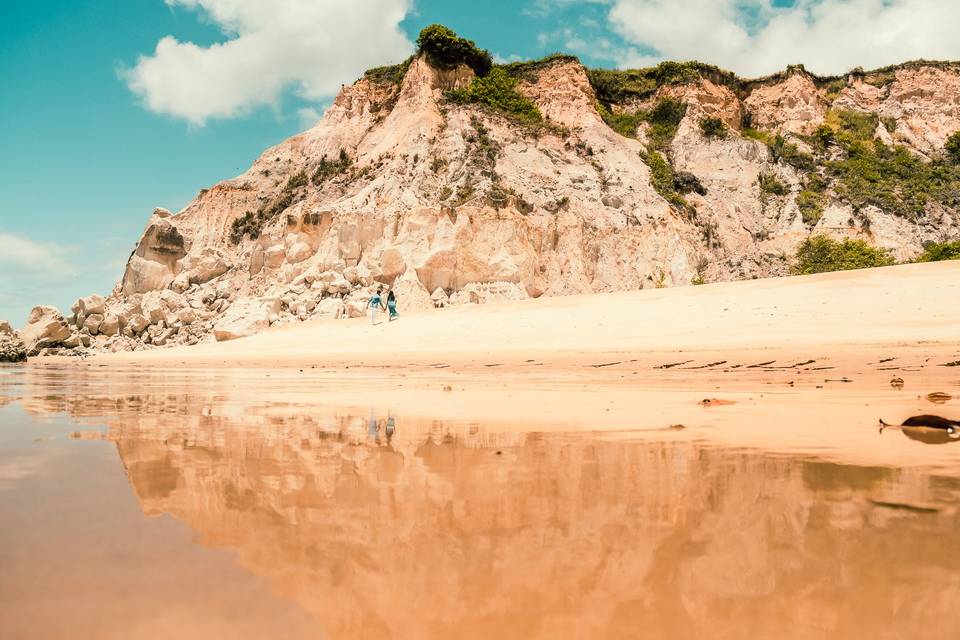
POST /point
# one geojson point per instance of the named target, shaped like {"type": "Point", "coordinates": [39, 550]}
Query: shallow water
{"type": "Point", "coordinates": [238, 505]}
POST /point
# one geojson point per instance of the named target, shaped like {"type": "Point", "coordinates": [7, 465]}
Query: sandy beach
{"type": "Point", "coordinates": [907, 311]}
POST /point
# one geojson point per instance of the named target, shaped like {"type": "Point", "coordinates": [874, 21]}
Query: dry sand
{"type": "Point", "coordinates": [896, 311]}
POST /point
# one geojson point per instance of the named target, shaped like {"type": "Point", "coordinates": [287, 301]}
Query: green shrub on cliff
{"type": "Point", "coordinates": [392, 74]}
{"type": "Point", "coordinates": [498, 90]}
{"type": "Point", "coordinates": [445, 49]}
{"type": "Point", "coordinates": [529, 70]}
{"type": "Point", "coordinates": [664, 120]}
{"type": "Point", "coordinates": [249, 224]}
{"type": "Point", "coordinates": [662, 181]}
{"type": "Point", "coordinates": [952, 147]}
{"type": "Point", "coordinates": [820, 254]}
{"type": "Point", "coordinates": [713, 127]}
{"type": "Point", "coordinates": [937, 251]}
{"type": "Point", "coordinates": [296, 181]}
{"type": "Point", "coordinates": [893, 179]}
{"type": "Point", "coordinates": [772, 185]}
{"type": "Point", "coordinates": [849, 126]}
{"type": "Point", "coordinates": [622, 122]}
{"type": "Point", "coordinates": [616, 85]}
{"type": "Point", "coordinates": [329, 168]}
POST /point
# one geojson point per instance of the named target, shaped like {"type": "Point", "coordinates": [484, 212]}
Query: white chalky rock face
{"type": "Point", "coordinates": [452, 204]}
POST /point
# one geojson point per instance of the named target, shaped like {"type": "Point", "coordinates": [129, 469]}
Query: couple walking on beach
{"type": "Point", "coordinates": [376, 304]}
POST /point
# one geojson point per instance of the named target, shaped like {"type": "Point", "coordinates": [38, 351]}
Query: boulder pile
{"type": "Point", "coordinates": [11, 346]}
{"type": "Point", "coordinates": [188, 313]}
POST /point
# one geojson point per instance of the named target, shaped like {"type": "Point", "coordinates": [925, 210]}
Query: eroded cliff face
{"type": "Point", "coordinates": [453, 203]}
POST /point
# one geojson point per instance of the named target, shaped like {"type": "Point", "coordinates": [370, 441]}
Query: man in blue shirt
{"type": "Point", "coordinates": [376, 303]}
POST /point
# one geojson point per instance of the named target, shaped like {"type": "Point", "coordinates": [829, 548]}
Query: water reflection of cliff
{"type": "Point", "coordinates": [457, 531]}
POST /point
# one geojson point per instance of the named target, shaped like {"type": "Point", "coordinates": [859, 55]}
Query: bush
{"type": "Point", "coordinates": [247, 224]}
{"type": "Point", "coordinates": [812, 199]}
{"type": "Point", "coordinates": [392, 74]}
{"type": "Point", "coordinates": [811, 207]}
{"type": "Point", "coordinates": [771, 185]}
{"type": "Point", "coordinates": [952, 147]}
{"type": "Point", "coordinates": [664, 120]}
{"type": "Point", "coordinates": [781, 150]}
{"type": "Point", "coordinates": [445, 49]}
{"type": "Point", "coordinates": [937, 251]}
{"type": "Point", "coordinates": [852, 125]}
{"type": "Point", "coordinates": [530, 69]}
{"type": "Point", "coordinates": [616, 85]}
{"type": "Point", "coordinates": [625, 124]}
{"type": "Point", "coordinates": [713, 127]}
{"type": "Point", "coordinates": [330, 168]}
{"type": "Point", "coordinates": [296, 181]}
{"type": "Point", "coordinates": [662, 180]}
{"type": "Point", "coordinates": [498, 90]}
{"type": "Point", "coordinates": [820, 254]}
{"type": "Point", "coordinates": [757, 134]}
{"type": "Point", "coordinates": [790, 153]}
{"type": "Point", "coordinates": [892, 179]}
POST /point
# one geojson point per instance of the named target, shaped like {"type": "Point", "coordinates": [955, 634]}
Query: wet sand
{"type": "Point", "coordinates": [223, 503]}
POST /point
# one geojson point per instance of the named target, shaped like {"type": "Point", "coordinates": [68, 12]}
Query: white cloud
{"type": "Point", "coordinates": [754, 37]}
{"type": "Point", "coordinates": [31, 273]}
{"type": "Point", "coordinates": [22, 254]}
{"type": "Point", "coordinates": [513, 57]}
{"type": "Point", "coordinates": [308, 116]}
{"type": "Point", "coordinates": [311, 45]}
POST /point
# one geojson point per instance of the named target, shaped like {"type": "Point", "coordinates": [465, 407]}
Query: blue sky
{"type": "Point", "coordinates": [112, 108]}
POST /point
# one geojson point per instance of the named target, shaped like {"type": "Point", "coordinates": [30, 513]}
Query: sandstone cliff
{"type": "Point", "coordinates": [407, 183]}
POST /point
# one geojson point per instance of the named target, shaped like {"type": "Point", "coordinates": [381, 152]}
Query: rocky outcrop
{"type": "Point", "coordinates": [154, 263]}
{"type": "Point", "coordinates": [450, 203]}
{"type": "Point", "coordinates": [12, 348]}
{"type": "Point", "coordinates": [46, 327]}
{"type": "Point", "coordinates": [793, 105]}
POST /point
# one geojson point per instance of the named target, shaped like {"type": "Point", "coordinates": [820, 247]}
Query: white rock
{"type": "Point", "coordinates": [339, 286]}
{"type": "Point", "coordinates": [137, 323]}
{"type": "Point", "coordinates": [356, 308]}
{"type": "Point", "coordinates": [410, 293]}
{"type": "Point", "coordinates": [90, 305]}
{"type": "Point", "coordinates": [299, 252]}
{"type": "Point", "coordinates": [45, 327]}
{"type": "Point", "coordinates": [246, 317]}
{"type": "Point", "coordinates": [110, 325]}
{"type": "Point", "coordinates": [274, 256]}
{"type": "Point", "coordinates": [153, 308]}
{"type": "Point", "coordinates": [330, 308]}
{"type": "Point", "coordinates": [92, 323]}
{"type": "Point", "coordinates": [181, 283]}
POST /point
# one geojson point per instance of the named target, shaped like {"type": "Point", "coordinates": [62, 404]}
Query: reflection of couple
{"type": "Point", "coordinates": [376, 304]}
{"type": "Point", "coordinates": [375, 427]}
